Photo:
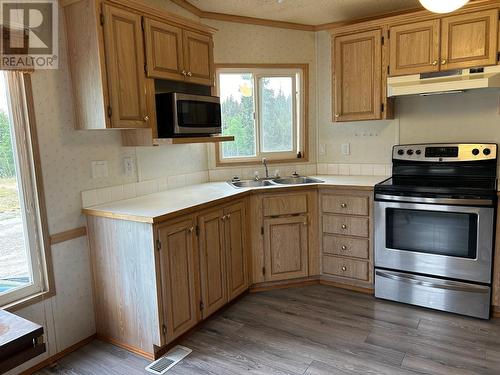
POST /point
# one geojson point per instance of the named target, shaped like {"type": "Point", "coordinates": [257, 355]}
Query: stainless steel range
{"type": "Point", "coordinates": [434, 227]}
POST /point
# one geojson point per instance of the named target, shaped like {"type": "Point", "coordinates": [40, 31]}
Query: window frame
{"type": "Point", "coordinates": [301, 125]}
{"type": "Point", "coordinates": [29, 176]}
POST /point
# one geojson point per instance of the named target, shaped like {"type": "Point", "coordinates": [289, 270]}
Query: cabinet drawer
{"type": "Point", "coordinates": [346, 225]}
{"type": "Point", "coordinates": [285, 205]}
{"type": "Point", "coordinates": [344, 204]}
{"type": "Point", "coordinates": [351, 247]}
{"type": "Point", "coordinates": [354, 269]}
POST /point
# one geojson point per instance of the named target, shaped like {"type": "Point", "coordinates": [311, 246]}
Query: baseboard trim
{"type": "Point", "coordinates": [52, 359]}
{"type": "Point", "coordinates": [347, 286]}
{"type": "Point", "coordinates": [127, 347]}
{"type": "Point", "coordinates": [283, 284]}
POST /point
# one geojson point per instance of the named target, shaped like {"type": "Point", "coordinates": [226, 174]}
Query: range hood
{"type": "Point", "coordinates": [447, 82]}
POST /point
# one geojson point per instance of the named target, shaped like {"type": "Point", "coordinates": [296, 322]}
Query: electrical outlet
{"type": "Point", "coordinates": [129, 166]}
{"type": "Point", "coordinates": [322, 149]}
{"type": "Point", "coordinates": [99, 168]}
{"type": "Point", "coordinates": [346, 148]}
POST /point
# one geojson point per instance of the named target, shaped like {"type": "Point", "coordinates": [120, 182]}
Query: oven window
{"type": "Point", "coordinates": [197, 114]}
{"type": "Point", "coordinates": [444, 233]}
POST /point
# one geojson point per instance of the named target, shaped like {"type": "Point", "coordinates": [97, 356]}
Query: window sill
{"type": "Point", "coordinates": [27, 301]}
{"type": "Point", "coordinates": [224, 163]}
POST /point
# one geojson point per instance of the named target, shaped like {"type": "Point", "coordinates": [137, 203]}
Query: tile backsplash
{"type": "Point", "coordinates": [355, 169]}
{"type": "Point", "coordinates": [115, 193]}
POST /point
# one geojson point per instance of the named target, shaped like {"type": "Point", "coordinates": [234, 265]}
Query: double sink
{"type": "Point", "coordinates": [299, 180]}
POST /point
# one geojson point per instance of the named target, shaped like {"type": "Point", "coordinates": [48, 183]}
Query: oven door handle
{"type": "Point", "coordinates": [463, 202]}
{"type": "Point", "coordinates": [448, 285]}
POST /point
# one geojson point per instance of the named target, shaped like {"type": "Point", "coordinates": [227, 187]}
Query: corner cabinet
{"type": "Point", "coordinates": [357, 77]}
{"type": "Point", "coordinates": [129, 45]}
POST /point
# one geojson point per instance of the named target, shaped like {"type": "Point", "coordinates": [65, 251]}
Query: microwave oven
{"type": "Point", "coordinates": [179, 114]}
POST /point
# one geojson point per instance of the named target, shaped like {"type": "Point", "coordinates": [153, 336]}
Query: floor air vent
{"type": "Point", "coordinates": [169, 360]}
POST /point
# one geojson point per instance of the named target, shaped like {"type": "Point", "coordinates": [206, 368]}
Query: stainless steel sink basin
{"type": "Point", "coordinates": [249, 183]}
{"type": "Point", "coordinates": [296, 180]}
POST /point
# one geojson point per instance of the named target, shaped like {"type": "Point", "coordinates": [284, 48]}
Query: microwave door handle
{"type": "Point", "coordinates": [412, 279]}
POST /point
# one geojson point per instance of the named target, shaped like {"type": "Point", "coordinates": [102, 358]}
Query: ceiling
{"type": "Point", "coordinates": [309, 12]}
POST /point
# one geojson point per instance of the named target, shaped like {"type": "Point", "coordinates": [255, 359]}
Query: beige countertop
{"type": "Point", "coordinates": [156, 207]}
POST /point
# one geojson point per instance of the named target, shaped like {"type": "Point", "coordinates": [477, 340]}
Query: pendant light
{"type": "Point", "coordinates": [443, 6]}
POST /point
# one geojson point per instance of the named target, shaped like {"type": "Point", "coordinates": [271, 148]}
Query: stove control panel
{"type": "Point", "coordinates": [445, 152]}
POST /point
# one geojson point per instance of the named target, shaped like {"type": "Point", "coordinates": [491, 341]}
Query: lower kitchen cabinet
{"type": "Point", "coordinates": [178, 265]}
{"type": "Point", "coordinates": [286, 249]}
{"type": "Point", "coordinates": [212, 261]}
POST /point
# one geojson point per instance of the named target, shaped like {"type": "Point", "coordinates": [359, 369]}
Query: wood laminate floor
{"type": "Point", "coordinates": [316, 330]}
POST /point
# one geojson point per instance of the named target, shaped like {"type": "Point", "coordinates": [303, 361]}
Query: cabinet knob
{"type": "Point", "coordinates": [344, 247]}
{"type": "Point", "coordinates": [443, 61]}
{"type": "Point", "coordinates": [344, 226]}
{"type": "Point", "coordinates": [228, 216]}
{"type": "Point", "coordinates": [223, 218]}
{"type": "Point", "coordinates": [344, 268]}
{"type": "Point", "coordinates": [337, 115]}
{"type": "Point", "coordinates": [434, 63]}
{"type": "Point", "coordinates": [146, 118]}
{"type": "Point", "coordinates": [184, 73]}
{"type": "Point", "coordinates": [191, 230]}
{"type": "Point", "coordinates": [304, 223]}
{"type": "Point", "coordinates": [189, 74]}
{"type": "Point", "coordinates": [343, 205]}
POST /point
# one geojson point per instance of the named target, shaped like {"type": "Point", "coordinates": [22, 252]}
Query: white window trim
{"type": "Point", "coordinates": [300, 114]}
{"type": "Point", "coordinates": [25, 145]}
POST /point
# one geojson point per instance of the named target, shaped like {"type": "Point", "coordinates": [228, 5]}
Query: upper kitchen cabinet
{"type": "Point", "coordinates": [112, 44]}
{"type": "Point", "coordinates": [414, 48]}
{"type": "Point", "coordinates": [455, 42]}
{"type": "Point", "coordinates": [357, 76]}
{"type": "Point", "coordinates": [125, 68]}
{"type": "Point", "coordinates": [469, 40]}
{"type": "Point", "coordinates": [178, 54]}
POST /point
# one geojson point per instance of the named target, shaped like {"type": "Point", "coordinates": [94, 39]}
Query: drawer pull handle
{"type": "Point", "coordinates": [343, 205]}
{"type": "Point", "coordinates": [344, 247]}
{"type": "Point", "coordinates": [344, 226]}
{"type": "Point", "coordinates": [344, 268]}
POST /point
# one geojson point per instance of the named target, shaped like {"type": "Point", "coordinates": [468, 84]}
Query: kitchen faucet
{"type": "Point", "coordinates": [264, 161]}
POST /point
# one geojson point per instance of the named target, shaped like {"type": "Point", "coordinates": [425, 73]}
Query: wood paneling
{"type": "Point", "coordinates": [212, 262]}
{"type": "Point", "coordinates": [164, 50]}
{"type": "Point", "coordinates": [284, 204]}
{"type": "Point", "coordinates": [125, 68]}
{"type": "Point", "coordinates": [357, 76]}
{"type": "Point", "coordinates": [344, 204]}
{"type": "Point", "coordinates": [125, 284]}
{"type": "Point", "coordinates": [178, 267]}
{"type": "Point", "coordinates": [469, 40]}
{"type": "Point", "coordinates": [346, 225]}
{"type": "Point", "coordinates": [346, 246]}
{"type": "Point", "coordinates": [345, 267]}
{"type": "Point", "coordinates": [414, 48]}
{"type": "Point", "coordinates": [198, 58]}
{"type": "Point", "coordinates": [235, 241]}
{"type": "Point", "coordinates": [67, 235]}
{"type": "Point", "coordinates": [286, 247]}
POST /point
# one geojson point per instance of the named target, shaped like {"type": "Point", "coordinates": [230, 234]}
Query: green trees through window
{"type": "Point", "coordinates": [260, 111]}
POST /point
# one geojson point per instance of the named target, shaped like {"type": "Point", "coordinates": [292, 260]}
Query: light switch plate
{"type": "Point", "coordinates": [99, 168]}
{"type": "Point", "coordinates": [322, 149]}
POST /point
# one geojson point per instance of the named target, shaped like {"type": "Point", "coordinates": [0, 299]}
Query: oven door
{"type": "Point", "coordinates": [435, 239]}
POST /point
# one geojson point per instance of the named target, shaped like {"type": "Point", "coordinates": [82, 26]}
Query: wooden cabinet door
{"type": "Point", "coordinates": [164, 51]}
{"type": "Point", "coordinates": [198, 58]}
{"type": "Point", "coordinates": [212, 262]}
{"type": "Point", "coordinates": [414, 48]}
{"type": "Point", "coordinates": [286, 248]}
{"type": "Point", "coordinates": [469, 40]}
{"type": "Point", "coordinates": [125, 68]}
{"type": "Point", "coordinates": [178, 278]}
{"type": "Point", "coordinates": [357, 67]}
{"type": "Point", "coordinates": [236, 249]}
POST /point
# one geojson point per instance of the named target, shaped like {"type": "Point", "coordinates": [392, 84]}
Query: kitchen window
{"type": "Point", "coordinates": [263, 107]}
{"type": "Point", "coordinates": [23, 234]}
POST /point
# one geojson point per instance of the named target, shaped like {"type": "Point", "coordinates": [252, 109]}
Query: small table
{"type": "Point", "coordinates": [20, 340]}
